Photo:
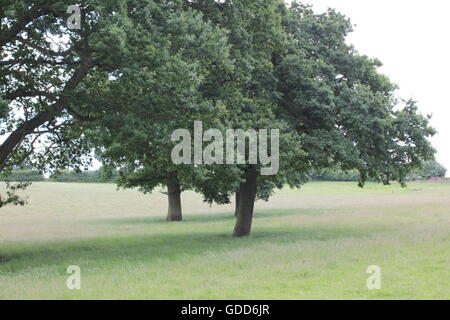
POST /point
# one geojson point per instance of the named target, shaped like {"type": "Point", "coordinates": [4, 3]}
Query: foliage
{"type": "Point", "coordinates": [429, 169]}
{"type": "Point", "coordinates": [12, 197]}
{"type": "Point", "coordinates": [102, 175]}
{"type": "Point", "coordinates": [336, 175]}
{"type": "Point", "coordinates": [433, 169]}
{"type": "Point", "coordinates": [346, 109]}
{"type": "Point", "coordinates": [42, 65]}
{"type": "Point", "coordinates": [79, 177]}
{"type": "Point", "coordinates": [24, 175]}
{"type": "Point", "coordinates": [341, 107]}
{"type": "Point", "coordinates": [171, 81]}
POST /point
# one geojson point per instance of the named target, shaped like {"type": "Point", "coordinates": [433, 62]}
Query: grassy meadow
{"type": "Point", "coordinates": [313, 243]}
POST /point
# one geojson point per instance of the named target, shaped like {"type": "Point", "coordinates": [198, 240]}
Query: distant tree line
{"type": "Point", "coordinates": [92, 176]}
{"type": "Point", "coordinates": [336, 175]}
{"type": "Point", "coordinates": [430, 169]}
{"type": "Point", "coordinates": [24, 175]}
{"type": "Point", "coordinates": [97, 176]}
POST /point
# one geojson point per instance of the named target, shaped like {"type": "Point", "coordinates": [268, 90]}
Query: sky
{"type": "Point", "coordinates": [412, 39]}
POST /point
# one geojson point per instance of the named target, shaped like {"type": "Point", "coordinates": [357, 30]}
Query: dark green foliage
{"type": "Point", "coordinates": [346, 111]}
{"type": "Point", "coordinates": [337, 110]}
{"type": "Point", "coordinates": [172, 79]}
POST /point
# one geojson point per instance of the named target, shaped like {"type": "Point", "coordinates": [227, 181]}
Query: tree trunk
{"type": "Point", "coordinates": [247, 196]}
{"type": "Point", "coordinates": [174, 195]}
{"type": "Point", "coordinates": [236, 209]}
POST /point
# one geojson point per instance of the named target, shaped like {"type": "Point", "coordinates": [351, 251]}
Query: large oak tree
{"type": "Point", "coordinates": [298, 64]}
{"type": "Point", "coordinates": [172, 79]}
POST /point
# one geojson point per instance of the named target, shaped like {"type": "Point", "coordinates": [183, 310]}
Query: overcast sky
{"type": "Point", "coordinates": [412, 39]}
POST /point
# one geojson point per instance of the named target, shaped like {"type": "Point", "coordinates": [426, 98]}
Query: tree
{"type": "Point", "coordinates": [175, 66]}
{"type": "Point", "coordinates": [432, 169]}
{"type": "Point", "coordinates": [257, 41]}
{"type": "Point", "coordinates": [338, 109]}
{"type": "Point", "coordinates": [140, 69]}
{"type": "Point", "coordinates": [43, 65]}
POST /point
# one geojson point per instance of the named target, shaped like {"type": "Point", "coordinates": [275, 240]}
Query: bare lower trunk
{"type": "Point", "coordinates": [236, 209]}
{"type": "Point", "coordinates": [247, 196]}
{"type": "Point", "coordinates": [174, 195]}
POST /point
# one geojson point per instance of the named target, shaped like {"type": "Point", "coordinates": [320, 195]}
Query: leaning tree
{"type": "Point", "coordinates": [45, 58]}
{"type": "Point", "coordinates": [343, 112]}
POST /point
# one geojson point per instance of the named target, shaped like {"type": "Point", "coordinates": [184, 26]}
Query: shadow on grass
{"type": "Point", "coordinates": [207, 218]}
{"type": "Point", "coordinates": [99, 253]}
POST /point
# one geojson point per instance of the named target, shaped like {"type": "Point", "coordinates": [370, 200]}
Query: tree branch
{"type": "Point", "coordinates": [18, 135]}
{"type": "Point", "coordinates": [10, 34]}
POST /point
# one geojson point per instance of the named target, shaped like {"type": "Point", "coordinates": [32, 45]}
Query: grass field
{"type": "Point", "coordinates": [314, 243]}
